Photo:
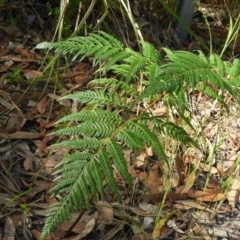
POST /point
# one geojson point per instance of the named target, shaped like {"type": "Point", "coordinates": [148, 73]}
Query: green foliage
{"type": "Point", "coordinates": [110, 124]}
{"type": "Point", "coordinates": [15, 76]}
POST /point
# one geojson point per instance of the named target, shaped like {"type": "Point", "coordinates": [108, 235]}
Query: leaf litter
{"type": "Point", "coordinates": [194, 205]}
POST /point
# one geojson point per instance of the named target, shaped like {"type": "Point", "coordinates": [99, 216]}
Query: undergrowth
{"type": "Point", "coordinates": [119, 114]}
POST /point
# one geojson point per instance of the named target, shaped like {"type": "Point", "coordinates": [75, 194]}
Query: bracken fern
{"type": "Point", "coordinates": [112, 122]}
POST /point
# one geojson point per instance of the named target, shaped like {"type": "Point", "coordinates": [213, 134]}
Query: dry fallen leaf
{"type": "Point", "coordinates": [149, 208]}
{"type": "Point", "coordinates": [78, 228]}
{"type": "Point", "coordinates": [23, 150]}
{"type": "Point", "coordinates": [110, 234]}
{"type": "Point", "coordinates": [9, 229]}
{"type": "Point", "coordinates": [157, 229]}
{"type": "Point", "coordinates": [189, 181]}
{"type": "Point", "coordinates": [42, 105]}
{"type": "Point", "coordinates": [32, 74]}
{"type": "Point", "coordinates": [37, 235]}
{"type": "Point", "coordinates": [140, 160]}
{"type": "Point", "coordinates": [154, 181]}
{"type": "Point", "coordinates": [20, 135]}
{"type": "Point", "coordinates": [88, 228]}
{"type": "Point", "coordinates": [105, 210]}
{"type": "Point", "coordinates": [201, 231]}
{"type": "Point", "coordinates": [211, 198]}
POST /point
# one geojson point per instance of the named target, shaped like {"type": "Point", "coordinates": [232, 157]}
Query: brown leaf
{"type": "Point", "coordinates": [154, 181]}
{"type": "Point", "coordinates": [28, 163]}
{"type": "Point", "coordinates": [23, 52]}
{"type": "Point", "coordinates": [88, 228]}
{"type": "Point", "coordinates": [201, 231]}
{"type": "Point", "coordinates": [20, 135]}
{"type": "Point", "coordinates": [198, 194]}
{"type": "Point", "coordinates": [139, 211]}
{"type": "Point", "coordinates": [37, 235]}
{"type": "Point", "coordinates": [43, 144]}
{"type": "Point", "coordinates": [189, 181]}
{"type": "Point", "coordinates": [150, 208]}
{"type": "Point", "coordinates": [211, 198]}
{"type": "Point", "coordinates": [142, 236]}
{"type": "Point", "coordinates": [12, 30]}
{"type": "Point", "coordinates": [160, 111]}
{"type": "Point", "coordinates": [187, 204]}
{"type": "Point", "coordinates": [41, 187]}
{"type": "Point", "coordinates": [32, 74]}
{"type": "Point", "coordinates": [142, 176]}
{"type": "Point", "coordinates": [140, 160]}
{"type": "Point", "coordinates": [23, 150]}
{"type": "Point", "coordinates": [5, 67]}
{"type": "Point", "coordinates": [9, 229]}
{"type": "Point", "coordinates": [105, 210]}
{"type": "Point", "coordinates": [42, 105]}
{"type": "Point", "coordinates": [83, 78]}
{"type": "Point", "coordinates": [172, 196]}
{"type": "Point", "coordinates": [178, 163]}
{"type": "Point", "coordinates": [157, 229]}
{"type": "Point", "coordinates": [113, 231]}
{"type": "Point", "coordinates": [78, 228]}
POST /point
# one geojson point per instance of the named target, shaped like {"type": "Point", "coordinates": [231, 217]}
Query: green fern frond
{"type": "Point", "coordinates": [147, 136]}
{"type": "Point", "coordinates": [134, 67]}
{"type": "Point", "coordinates": [179, 101]}
{"type": "Point", "coordinates": [97, 176]}
{"type": "Point", "coordinates": [218, 64]}
{"type": "Point", "coordinates": [94, 97]}
{"type": "Point", "coordinates": [95, 44]}
{"type": "Point", "coordinates": [103, 82]}
{"type": "Point", "coordinates": [112, 40]}
{"type": "Point", "coordinates": [234, 71]}
{"type": "Point", "coordinates": [69, 166]}
{"type": "Point", "coordinates": [235, 82]}
{"type": "Point", "coordinates": [113, 60]}
{"type": "Point", "coordinates": [114, 85]}
{"type": "Point", "coordinates": [186, 70]}
{"type": "Point", "coordinates": [93, 129]}
{"type": "Point", "coordinates": [63, 185]}
{"type": "Point", "coordinates": [184, 58]}
{"type": "Point", "coordinates": [88, 143]}
{"type": "Point", "coordinates": [180, 104]}
{"type": "Point", "coordinates": [83, 186]}
{"type": "Point", "coordinates": [213, 94]}
{"type": "Point", "coordinates": [153, 72]}
{"type": "Point", "coordinates": [75, 157]}
{"type": "Point", "coordinates": [104, 53]}
{"type": "Point", "coordinates": [130, 66]}
{"type": "Point", "coordinates": [173, 131]}
{"type": "Point", "coordinates": [116, 152]}
{"type": "Point", "coordinates": [121, 70]}
{"type": "Point", "coordinates": [150, 53]}
{"type": "Point", "coordinates": [130, 139]}
{"type": "Point", "coordinates": [203, 57]}
{"type": "Point", "coordinates": [92, 115]}
{"type": "Point", "coordinates": [106, 166]}
{"type": "Point", "coordinates": [97, 141]}
{"type": "Point", "coordinates": [61, 211]}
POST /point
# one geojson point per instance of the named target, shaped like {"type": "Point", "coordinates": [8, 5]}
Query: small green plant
{"type": "Point", "coordinates": [112, 121]}
{"type": "Point", "coordinates": [15, 76]}
{"type": "Point", "coordinates": [25, 209]}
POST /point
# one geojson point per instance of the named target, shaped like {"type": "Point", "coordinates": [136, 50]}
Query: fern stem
{"type": "Point", "coordinates": [69, 231]}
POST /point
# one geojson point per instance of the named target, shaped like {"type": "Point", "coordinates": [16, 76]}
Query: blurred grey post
{"type": "Point", "coordinates": [185, 12]}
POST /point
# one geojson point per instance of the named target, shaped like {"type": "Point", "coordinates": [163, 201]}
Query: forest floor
{"type": "Point", "coordinates": [29, 108]}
